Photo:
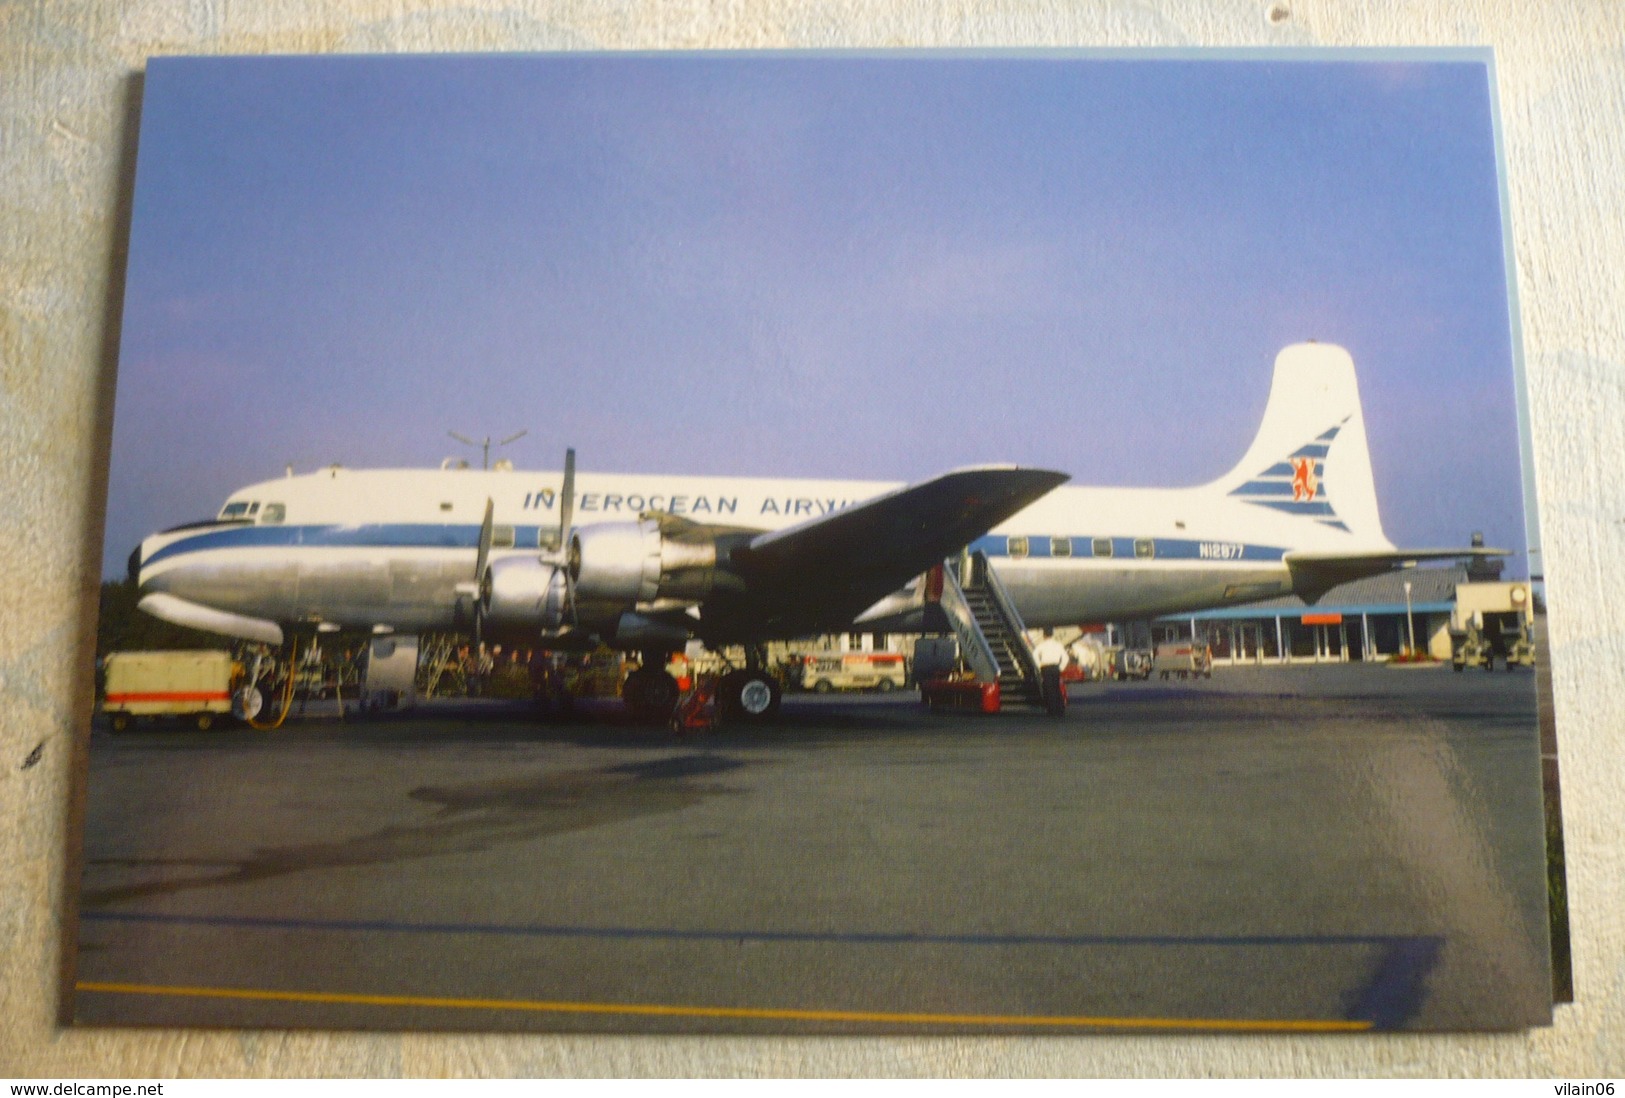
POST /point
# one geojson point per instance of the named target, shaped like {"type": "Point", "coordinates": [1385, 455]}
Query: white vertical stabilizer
{"type": "Point", "coordinates": [1310, 459]}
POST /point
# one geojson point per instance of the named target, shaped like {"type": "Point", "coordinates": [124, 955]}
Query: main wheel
{"type": "Point", "coordinates": [650, 693]}
{"type": "Point", "coordinates": [748, 695]}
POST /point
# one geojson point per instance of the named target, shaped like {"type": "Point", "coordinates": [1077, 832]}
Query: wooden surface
{"type": "Point", "coordinates": [67, 108]}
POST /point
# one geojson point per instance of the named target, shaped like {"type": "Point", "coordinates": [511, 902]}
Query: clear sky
{"type": "Point", "coordinates": [873, 266]}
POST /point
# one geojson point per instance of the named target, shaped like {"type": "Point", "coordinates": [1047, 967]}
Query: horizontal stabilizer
{"type": "Point", "coordinates": [1315, 573]}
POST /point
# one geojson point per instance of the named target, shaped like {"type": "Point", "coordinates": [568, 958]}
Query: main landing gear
{"type": "Point", "coordinates": [746, 695]}
{"type": "Point", "coordinates": [650, 692]}
{"type": "Point", "coordinates": [750, 694]}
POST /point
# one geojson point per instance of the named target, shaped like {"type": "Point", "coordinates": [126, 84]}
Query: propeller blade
{"type": "Point", "coordinates": [567, 499]}
{"type": "Point", "coordinates": [484, 555]}
{"type": "Point", "coordinates": [572, 565]}
{"type": "Point", "coordinates": [567, 508]}
{"type": "Point", "coordinates": [481, 559]}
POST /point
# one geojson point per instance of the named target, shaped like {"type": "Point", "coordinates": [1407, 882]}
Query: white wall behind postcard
{"type": "Point", "coordinates": [70, 78]}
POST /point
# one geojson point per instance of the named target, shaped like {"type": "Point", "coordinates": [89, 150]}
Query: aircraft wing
{"type": "Point", "coordinates": [821, 574]}
{"type": "Point", "coordinates": [1313, 574]}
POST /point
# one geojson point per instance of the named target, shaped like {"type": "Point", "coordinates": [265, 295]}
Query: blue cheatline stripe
{"type": "Point", "coordinates": [393, 535]}
{"type": "Point", "coordinates": [1385, 941]}
{"type": "Point", "coordinates": [437, 536]}
{"type": "Point", "coordinates": [1038, 548]}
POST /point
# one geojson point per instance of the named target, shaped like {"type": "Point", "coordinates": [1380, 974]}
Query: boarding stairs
{"type": "Point", "coordinates": [437, 662]}
{"type": "Point", "coordinates": [992, 638]}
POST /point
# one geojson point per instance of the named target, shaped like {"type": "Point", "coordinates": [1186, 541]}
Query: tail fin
{"type": "Point", "coordinates": [1310, 457]}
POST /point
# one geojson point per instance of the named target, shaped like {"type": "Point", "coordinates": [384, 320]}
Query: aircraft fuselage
{"type": "Point", "coordinates": [366, 548]}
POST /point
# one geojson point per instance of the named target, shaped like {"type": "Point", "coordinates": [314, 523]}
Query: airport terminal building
{"type": "Point", "coordinates": [1367, 620]}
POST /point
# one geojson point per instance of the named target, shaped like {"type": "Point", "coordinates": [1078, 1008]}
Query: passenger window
{"type": "Point", "coordinates": [502, 537]}
{"type": "Point", "coordinates": [1144, 547]}
{"type": "Point", "coordinates": [1060, 547]}
{"type": "Point", "coordinates": [1103, 547]}
{"type": "Point", "coordinates": [1018, 547]}
{"type": "Point", "coordinates": [273, 512]}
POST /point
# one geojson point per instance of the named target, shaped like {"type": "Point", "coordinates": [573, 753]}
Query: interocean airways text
{"type": "Point", "coordinates": [634, 503]}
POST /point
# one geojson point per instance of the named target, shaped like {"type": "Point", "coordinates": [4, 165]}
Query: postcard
{"type": "Point", "coordinates": [895, 543]}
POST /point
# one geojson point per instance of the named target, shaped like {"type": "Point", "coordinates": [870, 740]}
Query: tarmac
{"type": "Point", "coordinates": [1330, 848]}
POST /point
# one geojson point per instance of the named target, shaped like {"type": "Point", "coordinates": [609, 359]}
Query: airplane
{"type": "Point", "coordinates": [648, 562]}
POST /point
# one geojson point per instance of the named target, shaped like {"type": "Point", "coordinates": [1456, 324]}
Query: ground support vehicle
{"type": "Point", "coordinates": [1472, 649]}
{"type": "Point", "coordinates": [1521, 653]}
{"type": "Point", "coordinates": [1128, 663]}
{"type": "Point", "coordinates": [187, 685]}
{"type": "Point", "coordinates": [1479, 647]}
{"type": "Point", "coordinates": [961, 693]}
{"type": "Point", "coordinates": [1183, 659]}
{"type": "Point", "coordinates": [824, 672]}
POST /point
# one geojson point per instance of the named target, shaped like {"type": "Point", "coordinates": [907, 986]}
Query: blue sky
{"type": "Point", "coordinates": [877, 266]}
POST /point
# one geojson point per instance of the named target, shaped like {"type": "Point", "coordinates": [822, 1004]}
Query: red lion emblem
{"type": "Point", "coordinates": [1304, 481]}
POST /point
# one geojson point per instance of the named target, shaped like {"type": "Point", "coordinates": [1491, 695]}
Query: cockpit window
{"type": "Point", "coordinates": [235, 510]}
{"type": "Point", "coordinates": [273, 512]}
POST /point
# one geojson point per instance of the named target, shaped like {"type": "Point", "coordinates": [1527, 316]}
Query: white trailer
{"type": "Point", "coordinates": [193, 686]}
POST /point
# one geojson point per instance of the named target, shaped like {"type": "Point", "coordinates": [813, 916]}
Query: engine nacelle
{"type": "Point", "coordinates": [639, 562]}
{"type": "Point", "coordinates": [523, 593]}
{"type": "Point", "coordinates": [636, 631]}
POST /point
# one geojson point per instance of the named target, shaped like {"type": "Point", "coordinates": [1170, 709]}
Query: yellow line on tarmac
{"type": "Point", "coordinates": [657, 1009]}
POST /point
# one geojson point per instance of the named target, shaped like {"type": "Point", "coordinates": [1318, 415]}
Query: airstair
{"type": "Point", "coordinates": [992, 638]}
{"type": "Point", "coordinates": [438, 662]}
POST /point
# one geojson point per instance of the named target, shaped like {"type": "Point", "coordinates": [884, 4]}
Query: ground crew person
{"type": "Point", "coordinates": [1050, 655]}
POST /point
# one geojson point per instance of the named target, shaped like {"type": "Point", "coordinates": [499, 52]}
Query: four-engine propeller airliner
{"type": "Point", "coordinates": [648, 562]}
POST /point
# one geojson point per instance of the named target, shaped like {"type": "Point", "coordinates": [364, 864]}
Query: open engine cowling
{"type": "Point", "coordinates": [639, 562]}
